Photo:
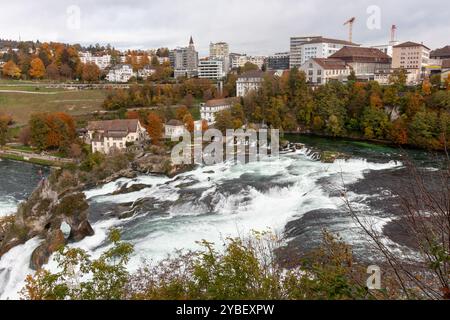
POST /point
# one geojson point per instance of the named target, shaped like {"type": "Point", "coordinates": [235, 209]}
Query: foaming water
{"type": "Point", "coordinates": [208, 203]}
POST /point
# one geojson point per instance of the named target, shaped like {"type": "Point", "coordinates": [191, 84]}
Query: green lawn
{"type": "Point", "coordinates": [22, 105]}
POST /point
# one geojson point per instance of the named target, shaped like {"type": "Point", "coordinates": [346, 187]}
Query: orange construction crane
{"type": "Point", "coordinates": [350, 23]}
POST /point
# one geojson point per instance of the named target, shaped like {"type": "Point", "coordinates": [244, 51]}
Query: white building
{"type": "Point", "coordinates": [185, 60]}
{"type": "Point", "coordinates": [249, 81]}
{"type": "Point", "coordinates": [107, 136]}
{"type": "Point", "coordinates": [305, 48]}
{"type": "Point", "coordinates": [219, 50]}
{"type": "Point", "coordinates": [146, 72]}
{"type": "Point", "coordinates": [102, 62]}
{"type": "Point", "coordinates": [239, 60]}
{"type": "Point", "coordinates": [174, 129]}
{"type": "Point", "coordinates": [321, 71]}
{"type": "Point", "coordinates": [414, 57]}
{"type": "Point", "coordinates": [211, 69]}
{"type": "Point", "coordinates": [121, 73]}
{"type": "Point", "coordinates": [209, 109]}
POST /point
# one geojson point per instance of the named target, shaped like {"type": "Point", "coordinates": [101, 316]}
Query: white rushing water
{"type": "Point", "coordinates": [210, 203]}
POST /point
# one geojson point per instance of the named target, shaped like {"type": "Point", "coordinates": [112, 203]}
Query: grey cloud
{"type": "Point", "coordinates": [252, 26]}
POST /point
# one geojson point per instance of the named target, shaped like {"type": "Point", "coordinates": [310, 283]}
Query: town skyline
{"type": "Point", "coordinates": [130, 28]}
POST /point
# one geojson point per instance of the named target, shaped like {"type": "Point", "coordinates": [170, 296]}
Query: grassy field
{"type": "Point", "coordinates": [22, 105]}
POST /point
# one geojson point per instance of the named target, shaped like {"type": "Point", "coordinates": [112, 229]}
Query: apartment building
{"type": "Point", "coordinates": [239, 60]}
{"type": "Point", "coordinates": [278, 61]}
{"type": "Point", "coordinates": [249, 81]}
{"type": "Point", "coordinates": [414, 57]}
{"type": "Point", "coordinates": [321, 70]}
{"type": "Point", "coordinates": [219, 50]}
{"type": "Point", "coordinates": [102, 62]}
{"type": "Point", "coordinates": [213, 69]}
{"type": "Point", "coordinates": [305, 48]}
{"type": "Point", "coordinates": [185, 60]}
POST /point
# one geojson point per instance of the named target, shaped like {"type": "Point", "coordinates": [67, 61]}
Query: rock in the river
{"type": "Point", "coordinates": [134, 188]}
{"type": "Point", "coordinates": [43, 213]}
{"type": "Point", "coordinates": [55, 240]}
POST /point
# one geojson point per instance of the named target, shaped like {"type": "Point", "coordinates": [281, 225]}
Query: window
{"type": "Point", "coordinates": [319, 72]}
{"type": "Point", "coordinates": [310, 72]}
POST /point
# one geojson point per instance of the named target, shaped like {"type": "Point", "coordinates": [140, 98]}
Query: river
{"type": "Point", "coordinates": [295, 196]}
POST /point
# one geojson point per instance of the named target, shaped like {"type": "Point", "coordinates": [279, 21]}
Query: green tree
{"type": "Point", "coordinates": [100, 279]}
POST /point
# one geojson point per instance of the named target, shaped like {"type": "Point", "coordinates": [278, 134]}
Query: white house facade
{"type": "Point", "coordinates": [121, 73]}
{"type": "Point", "coordinates": [209, 109]}
{"type": "Point", "coordinates": [107, 136]}
{"type": "Point", "coordinates": [321, 71]}
{"type": "Point", "coordinates": [249, 81]}
{"type": "Point", "coordinates": [102, 62]}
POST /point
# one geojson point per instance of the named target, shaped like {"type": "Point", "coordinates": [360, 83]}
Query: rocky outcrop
{"type": "Point", "coordinates": [55, 240]}
{"type": "Point", "coordinates": [42, 215]}
{"type": "Point", "coordinates": [158, 164]}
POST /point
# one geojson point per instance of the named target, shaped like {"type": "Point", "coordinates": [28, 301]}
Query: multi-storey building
{"type": "Point", "coordinates": [219, 50]}
{"type": "Point", "coordinates": [278, 61]}
{"type": "Point", "coordinates": [102, 62]}
{"type": "Point", "coordinates": [305, 48]}
{"type": "Point", "coordinates": [120, 73]}
{"type": "Point", "coordinates": [365, 62]}
{"type": "Point", "coordinates": [249, 81]}
{"type": "Point", "coordinates": [441, 54]}
{"type": "Point", "coordinates": [414, 57]}
{"type": "Point", "coordinates": [321, 70]}
{"type": "Point", "coordinates": [185, 60]}
{"type": "Point", "coordinates": [209, 109]}
{"type": "Point", "coordinates": [106, 136]}
{"type": "Point", "coordinates": [239, 60]}
{"type": "Point", "coordinates": [213, 69]}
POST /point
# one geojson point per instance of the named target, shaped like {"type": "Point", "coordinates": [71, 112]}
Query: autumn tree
{"type": "Point", "coordinates": [37, 69]}
{"type": "Point", "coordinates": [52, 131]}
{"type": "Point", "coordinates": [11, 70]}
{"type": "Point", "coordinates": [52, 71]}
{"type": "Point", "coordinates": [182, 112]}
{"type": "Point", "coordinates": [155, 128]}
{"type": "Point", "coordinates": [91, 72]}
{"type": "Point", "coordinates": [189, 122]}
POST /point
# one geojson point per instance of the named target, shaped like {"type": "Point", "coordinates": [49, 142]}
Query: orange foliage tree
{"type": "Point", "coordinates": [11, 70]}
{"type": "Point", "coordinates": [155, 128]}
{"type": "Point", "coordinates": [91, 72]}
{"type": "Point", "coordinates": [37, 69]}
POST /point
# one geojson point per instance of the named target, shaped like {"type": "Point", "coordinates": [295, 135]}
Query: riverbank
{"type": "Point", "coordinates": [34, 158]}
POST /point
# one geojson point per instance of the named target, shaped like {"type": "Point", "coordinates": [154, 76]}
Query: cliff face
{"type": "Point", "coordinates": [41, 216]}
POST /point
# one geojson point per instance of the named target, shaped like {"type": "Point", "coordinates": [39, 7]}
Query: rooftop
{"type": "Point", "coordinates": [175, 123]}
{"type": "Point", "coordinates": [409, 44]}
{"type": "Point", "coordinates": [330, 64]}
{"type": "Point", "coordinates": [128, 125]}
{"type": "Point", "coordinates": [361, 54]}
{"type": "Point", "coordinates": [443, 52]}
{"type": "Point", "coordinates": [221, 102]}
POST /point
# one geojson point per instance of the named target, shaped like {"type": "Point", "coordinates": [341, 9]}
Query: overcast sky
{"type": "Point", "coordinates": [250, 26]}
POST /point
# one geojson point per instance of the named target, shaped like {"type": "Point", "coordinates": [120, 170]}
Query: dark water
{"type": "Point", "coordinates": [371, 151]}
{"type": "Point", "coordinates": [17, 181]}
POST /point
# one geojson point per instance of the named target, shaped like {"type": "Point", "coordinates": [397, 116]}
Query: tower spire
{"type": "Point", "coordinates": [191, 41]}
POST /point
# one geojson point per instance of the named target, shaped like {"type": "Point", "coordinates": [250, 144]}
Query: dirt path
{"type": "Point", "coordinates": [28, 92]}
